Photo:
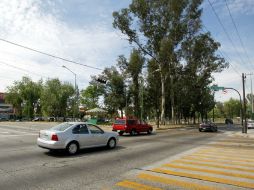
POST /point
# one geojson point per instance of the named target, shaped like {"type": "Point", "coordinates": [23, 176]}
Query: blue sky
{"type": "Point", "coordinates": [81, 30]}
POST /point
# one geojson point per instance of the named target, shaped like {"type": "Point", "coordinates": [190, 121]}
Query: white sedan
{"type": "Point", "coordinates": [250, 124]}
{"type": "Point", "coordinates": [73, 136]}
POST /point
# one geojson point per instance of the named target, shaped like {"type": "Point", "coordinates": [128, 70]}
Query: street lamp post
{"type": "Point", "coordinates": [75, 90]}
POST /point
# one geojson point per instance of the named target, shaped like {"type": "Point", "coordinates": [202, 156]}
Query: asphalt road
{"type": "Point", "coordinates": [23, 165]}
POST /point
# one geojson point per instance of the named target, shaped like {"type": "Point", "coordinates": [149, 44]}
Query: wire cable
{"type": "Point", "coordinates": [237, 32]}
{"type": "Point", "coordinates": [24, 70]}
{"type": "Point", "coordinates": [225, 31]}
{"type": "Point", "coordinates": [224, 55]}
{"type": "Point", "coordinates": [49, 55]}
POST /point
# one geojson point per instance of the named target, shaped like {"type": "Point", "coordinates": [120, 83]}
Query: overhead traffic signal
{"type": "Point", "coordinates": [100, 80]}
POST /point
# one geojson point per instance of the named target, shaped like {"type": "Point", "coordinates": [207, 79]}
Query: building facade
{"type": "Point", "coordinates": [6, 110]}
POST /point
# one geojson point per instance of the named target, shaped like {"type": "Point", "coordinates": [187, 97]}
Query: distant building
{"type": "Point", "coordinates": [6, 110]}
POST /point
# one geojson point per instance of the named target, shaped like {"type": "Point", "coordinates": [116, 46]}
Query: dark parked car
{"type": "Point", "coordinates": [208, 126]}
{"type": "Point", "coordinates": [38, 119]}
{"type": "Point", "coordinates": [228, 121]}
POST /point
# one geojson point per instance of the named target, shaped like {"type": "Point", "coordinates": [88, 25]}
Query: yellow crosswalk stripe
{"type": "Point", "coordinates": [244, 156]}
{"type": "Point", "coordinates": [206, 178]}
{"type": "Point", "coordinates": [173, 182]}
{"type": "Point", "coordinates": [236, 163]}
{"type": "Point", "coordinates": [249, 153]}
{"type": "Point", "coordinates": [223, 157]}
{"type": "Point", "coordinates": [217, 145]}
{"type": "Point", "coordinates": [137, 186]}
{"type": "Point", "coordinates": [213, 165]}
{"type": "Point", "coordinates": [231, 174]}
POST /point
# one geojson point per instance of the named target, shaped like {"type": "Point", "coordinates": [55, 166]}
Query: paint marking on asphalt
{"type": "Point", "coordinates": [134, 185]}
{"type": "Point", "coordinates": [222, 157]}
{"type": "Point", "coordinates": [212, 153]}
{"type": "Point", "coordinates": [237, 163]}
{"type": "Point", "coordinates": [213, 165]}
{"type": "Point", "coordinates": [230, 174]}
{"type": "Point", "coordinates": [7, 136]}
{"type": "Point", "coordinates": [227, 150]}
{"type": "Point", "coordinates": [205, 178]}
{"type": "Point", "coordinates": [174, 182]}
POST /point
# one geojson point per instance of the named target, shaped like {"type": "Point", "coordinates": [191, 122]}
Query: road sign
{"type": "Point", "coordinates": [217, 88]}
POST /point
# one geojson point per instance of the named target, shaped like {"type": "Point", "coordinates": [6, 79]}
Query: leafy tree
{"type": "Point", "coordinates": [232, 108]}
{"type": "Point", "coordinates": [114, 91]}
{"type": "Point", "coordinates": [90, 96]}
{"type": "Point", "coordinates": [24, 96]}
{"type": "Point", "coordinates": [55, 96]}
{"type": "Point", "coordinates": [133, 69]}
{"type": "Point", "coordinates": [157, 27]}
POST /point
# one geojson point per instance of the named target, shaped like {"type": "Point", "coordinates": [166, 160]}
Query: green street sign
{"type": "Point", "coordinates": [217, 88]}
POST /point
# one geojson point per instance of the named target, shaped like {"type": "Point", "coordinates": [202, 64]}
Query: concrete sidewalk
{"type": "Point", "coordinates": [226, 163]}
{"type": "Point", "coordinates": [249, 134]}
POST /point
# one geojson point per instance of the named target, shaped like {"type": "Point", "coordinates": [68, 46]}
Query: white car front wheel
{"type": "Point", "coordinates": [111, 143]}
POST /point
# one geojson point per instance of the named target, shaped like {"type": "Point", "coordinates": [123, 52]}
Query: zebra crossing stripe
{"type": "Point", "coordinates": [174, 182]}
{"type": "Point", "coordinates": [205, 178]}
{"type": "Point", "coordinates": [213, 165]}
{"type": "Point", "coordinates": [213, 160]}
{"type": "Point", "coordinates": [134, 185]}
{"type": "Point", "coordinates": [230, 174]}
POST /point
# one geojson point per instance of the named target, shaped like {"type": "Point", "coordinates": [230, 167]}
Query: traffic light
{"type": "Point", "coordinates": [103, 81]}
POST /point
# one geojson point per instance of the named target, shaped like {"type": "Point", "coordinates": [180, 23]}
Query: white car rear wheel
{"type": "Point", "coordinates": [72, 148]}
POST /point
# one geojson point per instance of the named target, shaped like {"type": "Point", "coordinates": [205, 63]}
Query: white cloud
{"type": "Point", "coordinates": [245, 7]}
{"type": "Point", "coordinates": [38, 24]}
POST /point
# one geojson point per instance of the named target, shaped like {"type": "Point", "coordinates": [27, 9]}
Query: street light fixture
{"type": "Point", "coordinates": [75, 90]}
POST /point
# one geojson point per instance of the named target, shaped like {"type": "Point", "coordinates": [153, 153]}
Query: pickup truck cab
{"type": "Point", "coordinates": [131, 126]}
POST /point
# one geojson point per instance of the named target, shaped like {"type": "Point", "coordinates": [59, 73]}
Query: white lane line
{"type": "Point", "coordinates": [4, 132]}
{"type": "Point", "coordinates": [2, 136]}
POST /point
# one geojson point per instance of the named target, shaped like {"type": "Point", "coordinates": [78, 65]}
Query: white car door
{"type": "Point", "coordinates": [83, 136]}
{"type": "Point", "coordinates": [98, 135]}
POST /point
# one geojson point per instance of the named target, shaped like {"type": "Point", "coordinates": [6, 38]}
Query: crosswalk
{"type": "Point", "coordinates": [225, 164]}
{"type": "Point", "coordinates": [11, 132]}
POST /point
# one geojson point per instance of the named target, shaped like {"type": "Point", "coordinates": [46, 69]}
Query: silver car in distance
{"type": "Point", "coordinates": [73, 136]}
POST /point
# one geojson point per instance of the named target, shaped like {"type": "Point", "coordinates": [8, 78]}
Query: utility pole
{"type": "Point", "coordinates": [244, 130]}
{"type": "Point", "coordinates": [142, 98]}
{"type": "Point", "coordinates": [250, 74]}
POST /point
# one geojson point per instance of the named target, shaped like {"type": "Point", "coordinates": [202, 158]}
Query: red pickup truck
{"type": "Point", "coordinates": [131, 126]}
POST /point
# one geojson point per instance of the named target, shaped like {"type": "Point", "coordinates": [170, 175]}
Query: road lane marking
{"type": "Point", "coordinates": [225, 154]}
{"type": "Point", "coordinates": [205, 178]}
{"type": "Point", "coordinates": [7, 136]}
{"type": "Point", "coordinates": [227, 150]}
{"type": "Point", "coordinates": [134, 185]}
{"type": "Point", "coordinates": [174, 182]}
{"type": "Point", "coordinates": [237, 163]}
{"type": "Point", "coordinates": [214, 165]}
{"type": "Point", "coordinates": [230, 174]}
{"type": "Point", "coordinates": [222, 157]}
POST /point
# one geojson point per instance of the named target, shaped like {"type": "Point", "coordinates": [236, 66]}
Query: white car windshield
{"type": "Point", "coordinates": [61, 127]}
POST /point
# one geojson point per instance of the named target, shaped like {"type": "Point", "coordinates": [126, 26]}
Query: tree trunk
{"type": "Point", "coordinates": [172, 100]}
{"type": "Point", "coordinates": [163, 99]}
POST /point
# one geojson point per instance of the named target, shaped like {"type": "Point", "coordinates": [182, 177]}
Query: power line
{"type": "Point", "coordinates": [225, 31]}
{"type": "Point", "coordinates": [49, 55]}
{"type": "Point", "coordinates": [24, 70]}
{"type": "Point", "coordinates": [237, 32]}
{"type": "Point", "coordinates": [224, 55]}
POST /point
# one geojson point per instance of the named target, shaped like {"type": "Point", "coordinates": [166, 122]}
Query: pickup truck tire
{"type": "Point", "coordinates": [133, 132]}
{"type": "Point", "coordinates": [149, 132]}
{"type": "Point", "coordinates": [120, 133]}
